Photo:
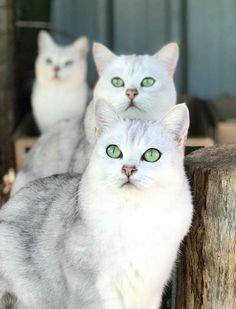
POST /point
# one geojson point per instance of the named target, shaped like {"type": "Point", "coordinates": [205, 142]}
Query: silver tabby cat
{"type": "Point", "coordinates": [107, 240]}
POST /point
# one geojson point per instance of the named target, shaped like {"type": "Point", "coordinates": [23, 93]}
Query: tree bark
{"type": "Point", "coordinates": [206, 275]}
{"type": "Point", "coordinates": [7, 93]}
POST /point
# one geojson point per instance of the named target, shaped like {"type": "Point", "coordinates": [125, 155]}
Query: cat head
{"type": "Point", "coordinates": [137, 154]}
{"type": "Point", "coordinates": [61, 64]}
{"type": "Point", "coordinates": [138, 86]}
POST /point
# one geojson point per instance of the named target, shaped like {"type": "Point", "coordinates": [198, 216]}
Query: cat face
{"type": "Point", "coordinates": [137, 84]}
{"type": "Point", "coordinates": [135, 154]}
{"type": "Point", "coordinates": [61, 64]}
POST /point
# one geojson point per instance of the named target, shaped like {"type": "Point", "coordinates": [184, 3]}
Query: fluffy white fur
{"type": "Point", "coordinates": [60, 94]}
{"type": "Point", "coordinates": [151, 102]}
{"type": "Point", "coordinates": [99, 243]}
{"type": "Point", "coordinates": [138, 227]}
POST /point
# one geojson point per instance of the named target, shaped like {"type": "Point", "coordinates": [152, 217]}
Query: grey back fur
{"type": "Point", "coordinates": [34, 227]}
{"type": "Point", "coordinates": [61, 149]}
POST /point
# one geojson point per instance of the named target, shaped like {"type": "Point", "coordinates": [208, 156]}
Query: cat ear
{"type": "Point", "coordinates": [105, 116]}
{"type": "Point", "coordinates": [102, 56]}
{"type": "Point", "coordinates": [44, 40]}
{"type": "Point", "coordinates": [82, 45]}
{"type": "Point", "coordinates": [169, 55]}
{"type": "Point", "coordinates": [177, 123]}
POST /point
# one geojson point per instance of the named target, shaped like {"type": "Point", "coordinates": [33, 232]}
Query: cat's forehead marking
{"type": "Point", "coordinates": [137, 66]}
{"type": "Point", "coordinates": [136, 130]}
{"type": "Point", "coordinates": [132, 63]}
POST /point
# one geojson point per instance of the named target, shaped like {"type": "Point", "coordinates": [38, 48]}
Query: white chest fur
{"type": "Point", "coordinates": [137, 246]}
{"type": "Point", "coordinates": [57, 102]}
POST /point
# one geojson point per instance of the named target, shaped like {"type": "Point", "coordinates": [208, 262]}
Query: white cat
{"type": "Point", "coordinates": [139, 87]}
{"type": "Point", "coordinates": [110, 239]}
{"type": "Point", "coordinates": [60, 90]}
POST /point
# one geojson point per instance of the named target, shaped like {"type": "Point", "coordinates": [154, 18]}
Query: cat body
{"type": "Point", "coordinates": [60, 90]}
{"type": "Point", "coordinates": [151, 102]}
{"type": "Point", "coordinates": [55, 152]}
{"type": "Point", "coordinates": [108, 240]}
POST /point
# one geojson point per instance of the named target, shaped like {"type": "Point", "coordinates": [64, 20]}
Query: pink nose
{"type": "Point", "coordinates": [131, 93]}
{"type": "Point", "coordinates": [128, 170]}
{"type": "Point", "coordinates": [56, 69]}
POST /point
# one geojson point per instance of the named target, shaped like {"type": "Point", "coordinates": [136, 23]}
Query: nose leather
{"type": "Point", "coordinates": [128, 170]}
{"type": "Point", "coordinates": [131, 93]}
{"type": "Point", "coordinates": [57, 69]}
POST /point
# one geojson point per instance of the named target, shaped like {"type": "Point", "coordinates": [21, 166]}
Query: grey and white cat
{"type": "Point", "coordinates": [60, 90]}
{"type": "Point", "coordinates": [139, 87]}
{"type": "Point", "coordinates": [108, 240]}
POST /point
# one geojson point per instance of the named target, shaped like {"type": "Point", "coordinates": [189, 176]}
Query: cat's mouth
{"type": "Point", "coordinates": [128, 184]}
{"type": "Point", "coordinates": [56, 77]}
{"type": "Point", "coordinates": [132, 104]}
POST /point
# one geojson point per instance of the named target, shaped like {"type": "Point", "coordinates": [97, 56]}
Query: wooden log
{"type": "Point", "coordinates": [206, 276]}
{"type": "Point", "coordinates": [7, 87]}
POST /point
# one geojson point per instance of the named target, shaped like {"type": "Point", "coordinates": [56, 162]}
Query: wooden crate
{"type": "Point", "coordinates": [200, 141]}
{"type": "Point", "coordinates": [223, 111]}
{"type": "Point", "coordinates": [202, 127]}
{"type": "Point", "coordinates": [22, 146]}
{"type": "Point", "coordinates": [24, 137]}
{"type": "Point", "coordinates": [226, 132]}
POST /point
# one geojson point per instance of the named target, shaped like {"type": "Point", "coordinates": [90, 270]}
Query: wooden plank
{"type": "Point", "coordinates": [77, 18]}
{"type": "Point", "coordinates": [175, 22]}
{"type": "Point", "coordinates": [139, 26]}
{"type": "Point", "coordinates": [211, 44]}
{"type": "Point", "coordinates": [200, 141]}
{"type": "Point", "coordinates": [206, 273]}
{"type": "Point", "coordinates": [142, 27]}
{"type": "Point", "coordinates": [7, 99]}
{"type": "Point", "coordinates": [226, 132]}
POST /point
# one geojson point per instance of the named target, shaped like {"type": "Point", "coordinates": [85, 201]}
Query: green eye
{"type": "Point", "coordinates": [114, 152]}
{"type": "Point", "coordinates": [151, 155]}
{"type": "Point", "coordinates": [48, 60]}
{"type": "Point", "coordinates": [68, 63]}
{"type": "Point", "coordinates": [148, 82]}
{"type": "Point", "coordinates": [117, 82]}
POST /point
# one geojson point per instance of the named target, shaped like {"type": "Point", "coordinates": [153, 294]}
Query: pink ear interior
{"type": "Point", "coordinates": [169, 55]}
